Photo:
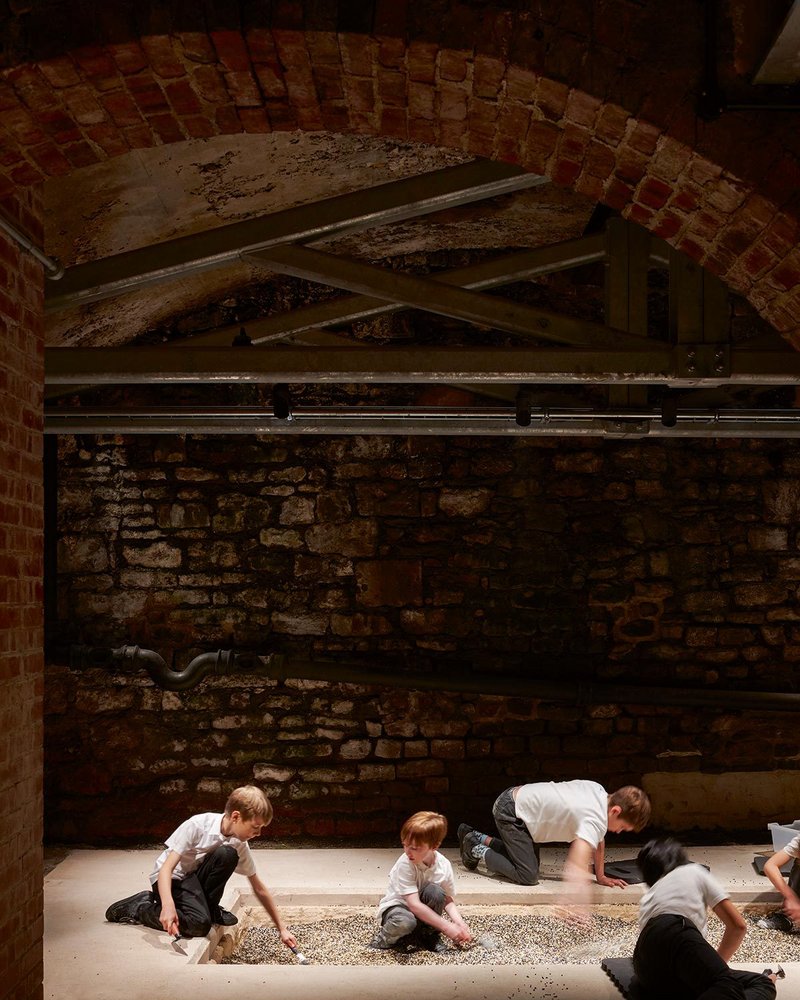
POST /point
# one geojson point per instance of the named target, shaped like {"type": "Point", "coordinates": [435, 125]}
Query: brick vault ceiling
{"type": "Point", "coordinates": [154, 195]}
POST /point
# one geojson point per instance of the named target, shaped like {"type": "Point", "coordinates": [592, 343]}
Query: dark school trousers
{"type": "Point", "coordinates": [513, 855]}
{"type": "Point", "coordinates": [794, 878]}
{"type": "Point", "coordinates": [196, 896]}
{"type": "Point", "coordinates": [673, 960]}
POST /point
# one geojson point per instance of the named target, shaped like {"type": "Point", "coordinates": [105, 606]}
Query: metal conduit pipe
{"type": "Point", "coordinates": [53, 267]}
{"type": "Point", "coordinates": [276, 667]}
{"type": "Point", "coordinates": [222, 661]}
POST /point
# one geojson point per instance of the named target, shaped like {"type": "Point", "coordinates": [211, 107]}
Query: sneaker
{"type": "Point", "coordinates": [379, 942]}
{"type": "Point", "coordinates": [776, 922]}
{"type": "Point", "coordinates": [466, 858]}
{"type": "Point", "coordinates": [125, 911]}
{"type": "Point", "coordinates": [226, 918]}
{"type": "Point", "coordinates": [434, 944]}
{"type": "Point", "coordinates": [778, 972]}
{"type": "Point", "coordinates": [467, 839]}
{"type": "Point", "coordinates": [474, 850]}
{"type": "Point", "coordinates": [463, 830]}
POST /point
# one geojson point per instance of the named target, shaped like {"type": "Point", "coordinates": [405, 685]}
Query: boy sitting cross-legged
{"type": "Point", "coordinates": [421, 888]}
{"type": "Point", "coordinates": [190, 874]}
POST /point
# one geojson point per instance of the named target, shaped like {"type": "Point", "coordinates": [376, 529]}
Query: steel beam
{"type": "Point", "coordinates": [656, 364]}
{"type": "Point", "coordinates": [628, 259]}
{"type": "Point", "coordinates": [493, 273]}
{"type": "Point", "coordinates": [153, 365]}
{"type": "Point", "coordinates": [444, 300]}
{"type": "Point", "coordinates": [353, 212]}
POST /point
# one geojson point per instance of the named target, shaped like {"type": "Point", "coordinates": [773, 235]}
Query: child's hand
{"type": "Point", "coordinates": [169, 919]}
{"type": "Point", "coordinates": [577, 916]}
{"type": "Point", "coordinates": [616, 883]}
{"type": "Point", "coordinates": [792, 911]}
{"type": "Point", "coordinates": [459, 933]}
{"type": "Point", "coordinates": [288, 938]}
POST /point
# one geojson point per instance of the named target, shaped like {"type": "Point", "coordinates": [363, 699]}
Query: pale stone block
{"type": "Point", "coordinates": [734, 799]}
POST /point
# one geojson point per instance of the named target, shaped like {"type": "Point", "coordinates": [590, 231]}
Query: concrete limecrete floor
{"type": "Point", "coordinates": [89, 959]}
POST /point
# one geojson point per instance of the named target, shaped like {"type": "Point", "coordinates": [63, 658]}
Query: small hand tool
{"type": "Point", "coordinates": [177, 945]}
{"type": "Point", "coordinates": [301, 958]}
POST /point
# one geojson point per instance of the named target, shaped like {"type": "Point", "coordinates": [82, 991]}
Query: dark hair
{"type": "Point", "coordinates": [659, 857]}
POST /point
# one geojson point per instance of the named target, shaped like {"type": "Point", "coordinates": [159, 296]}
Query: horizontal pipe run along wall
{"type": "Point", "coordinates": [222, 662]}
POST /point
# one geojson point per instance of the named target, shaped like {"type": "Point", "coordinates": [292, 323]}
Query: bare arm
{"type": "Point", "coordinates": [772, 869]}
{"type": "Point", "coordinates": [266, 900]}
{"type": "Point", "coordinates": [169, 915]}
{"type": "Point", "coordinates": [576, 867]}
{"type": "Point", "coordinates": [452, 911]}
{"type": "Point", "coordinates": [599, 869]}
{"type": "Point", "coordinates": [576, 895]}
{"type": "Point", "coordinates": [735, 929]}
{"type": "Point", "coordinates": [458, 932]}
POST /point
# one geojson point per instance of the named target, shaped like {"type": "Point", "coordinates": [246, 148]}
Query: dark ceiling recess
{"type": "Point", "coordinates": [711, 100]}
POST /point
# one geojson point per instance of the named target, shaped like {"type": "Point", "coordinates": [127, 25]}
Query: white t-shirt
{"type": "Point", "coordinates": [197, 837]}
{"type": "Point", "coordinates": [406, 877]}
{"type": "Point", "coordinates": [793, 847]}
{"type": "Point", "coordinates": [687, 891]}
{"type": "Point", "coordinates": [560, 811]}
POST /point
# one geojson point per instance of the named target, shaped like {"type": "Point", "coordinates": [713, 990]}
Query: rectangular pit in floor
{"type": "Point", "coordinates": [339, 935]}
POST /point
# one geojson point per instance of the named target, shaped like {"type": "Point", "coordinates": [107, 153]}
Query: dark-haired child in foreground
{"type": "Point", "coordinates": [672, 957]}
{"type": "Point", "coordinates": [190, 874]}
{"type": "Point", "coordinates": [421, 888]}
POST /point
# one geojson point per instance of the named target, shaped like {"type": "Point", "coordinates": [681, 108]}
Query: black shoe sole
{"type": "Point", "coordinates": [467, 860]}
{"type": "Point", "coordinates": [225, 918]}
{"type": "Point", "coordinates": [124, 910]}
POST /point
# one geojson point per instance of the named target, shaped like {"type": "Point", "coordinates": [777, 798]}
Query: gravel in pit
{"type": "Point", "coordinates": [532, 935]}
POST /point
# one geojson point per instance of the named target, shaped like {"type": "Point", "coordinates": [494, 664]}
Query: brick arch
{"type": "Point", "coordinates": [103, 100]}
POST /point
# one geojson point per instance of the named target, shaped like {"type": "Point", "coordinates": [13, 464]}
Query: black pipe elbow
{"type": "Point", "coordinates": [223, 661]}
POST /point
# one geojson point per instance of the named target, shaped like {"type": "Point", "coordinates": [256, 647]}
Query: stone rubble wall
{"type": "Point", "coordinates": [657, 563]}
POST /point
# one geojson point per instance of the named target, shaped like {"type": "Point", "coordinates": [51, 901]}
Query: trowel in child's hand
{"type": "Point", "coordinates": [178, 945]}
{"type": "Point", "coordinates": [301, 958]}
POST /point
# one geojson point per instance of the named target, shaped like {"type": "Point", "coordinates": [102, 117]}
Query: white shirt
{"type": "Point", "coordinates": [687, 891]}
{"type": "Point", "coordinates": [560, 811]}
{"type": "Point", "coordinates": [793, 847]}
{"type": "Point", "coordinates": [197, 837]}
{"type": "Point", "coordinates": [406, 877]}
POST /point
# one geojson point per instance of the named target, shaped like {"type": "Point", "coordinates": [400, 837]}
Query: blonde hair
{"type": "Point", "coordinates": [251, 802]}
{"type": "Point", "coordinates": [429, 828]}
{"type": "Point", "coordinates": [634, 806]}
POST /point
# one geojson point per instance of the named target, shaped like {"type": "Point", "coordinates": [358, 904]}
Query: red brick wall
{"type": "Point", "coordinates": [21, 676]}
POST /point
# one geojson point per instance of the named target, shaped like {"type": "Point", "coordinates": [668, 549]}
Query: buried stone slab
{"type": "Point", "coordinates": [512, 935]}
